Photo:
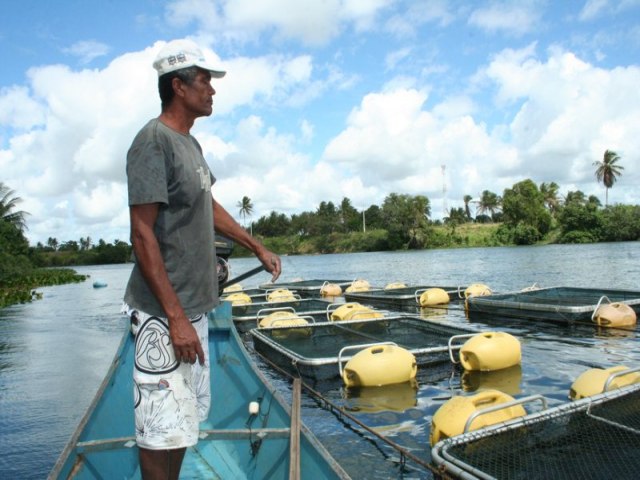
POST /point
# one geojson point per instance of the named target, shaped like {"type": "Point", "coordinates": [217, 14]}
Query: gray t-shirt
{"type": "Point", "coordinates": [167, 167]}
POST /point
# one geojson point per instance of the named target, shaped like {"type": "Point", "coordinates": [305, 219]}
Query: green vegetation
{"type": "Point", "coordinates": [18, 275]}
{"type": "Point", "coordinates": [525, 214]}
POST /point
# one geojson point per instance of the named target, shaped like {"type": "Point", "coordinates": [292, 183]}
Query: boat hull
{"type": "Point", "coordinates": [233, 443]}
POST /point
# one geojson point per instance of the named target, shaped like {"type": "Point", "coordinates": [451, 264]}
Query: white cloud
{"type": "Point", "coordinates": [19, 110]}
{"type": "Point", "coordinates": [525, 114]}
{"type": "Point", "coordinates": [313, 23]}
{"type": "Point", "coordinates": [572, 111]}
{"type": "Point", "coordinates": [515, 18]}
{"type": "Point", "coordinates": [592, 8]}
{"type": "Point", "coordinates": [269, 79]}
{"type": "Point", "coordinates": [407, 23]}
{"type": "Point", "coordinates": [87, 50]}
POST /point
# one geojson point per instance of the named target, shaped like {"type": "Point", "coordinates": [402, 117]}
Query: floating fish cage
{"type": "Point", "coordinates": [560, 304]}
{"type": "Point", "coordinates": [246, 316]}
{"type": "Point", "coordinates": [313, 350]}
{"type": "Point", "coordinates": [597, 437]}
{"type": "Point", "coordinates": [254, 293]}
{"type": "Point", "coordinates": [403, 299]}
{"type": "Point", "coordinates": [306, 288]}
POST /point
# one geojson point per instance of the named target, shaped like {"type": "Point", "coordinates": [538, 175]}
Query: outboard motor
{"type": "Point", "coordinates": [224, 249]}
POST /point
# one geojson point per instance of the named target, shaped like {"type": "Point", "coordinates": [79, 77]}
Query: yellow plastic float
{"type": "Point", "coordinates": [282, 319]}
{"type": "Point", "coordinates": [330, 290]}
{"type": "Point", "coordinates": [285, 319]}
{"type": "Point", "coordinates": [353, 311]}
{"type": "Point", "coordinates": [281, 295]}
{"type": "Point", "coordinates": [236, 287]}
{"type": "Point", "coordinates": [598, 380]}
{"type": "Point", "coordinates": [450, 419]}
{"type": "Point", "coordinates": [358, 286]}
{"type": "Point", "coordinates": [490, 351]}
{"type": "Point", "coordinates": [378, 365]}
{"type": "Point", "coordinates": [394, 285]}
{"type": "Point", "coordinates": [615, 315]}
{"type": "Point", "coordinates": [477, 290]}
{"type": "Point", "coordinates": [433, 296]}
{"type": "Point", "coordinates": [238, 298]}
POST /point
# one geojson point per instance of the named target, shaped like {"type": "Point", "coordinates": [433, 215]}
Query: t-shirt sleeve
{"type": "Point", "coordinates": [147, 175]}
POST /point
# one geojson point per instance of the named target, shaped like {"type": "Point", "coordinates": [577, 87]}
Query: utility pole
{"type": "Point", "coordinates": [445, 209]}
{"type": "Point", "coordinates": [364, 223]}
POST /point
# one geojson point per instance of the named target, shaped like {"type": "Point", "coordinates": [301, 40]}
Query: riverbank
{"type": "Point", "coordinates": [467, 235]}
{"type": "Point", "coordinates": [22, 288]}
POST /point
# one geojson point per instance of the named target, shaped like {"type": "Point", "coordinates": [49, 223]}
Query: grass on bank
{"type": "Point", "coordinates": [439, 236]}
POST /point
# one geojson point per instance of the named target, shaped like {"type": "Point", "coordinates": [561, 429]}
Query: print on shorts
{"type": "Point", "coordinates": [154, 351]}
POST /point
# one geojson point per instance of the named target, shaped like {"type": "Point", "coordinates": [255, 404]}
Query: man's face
{"type": "Point", "coordinates": [198, 97]}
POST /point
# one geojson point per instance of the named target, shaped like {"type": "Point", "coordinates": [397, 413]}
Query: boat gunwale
{"type": "Point", "coordinates": [72, 443]}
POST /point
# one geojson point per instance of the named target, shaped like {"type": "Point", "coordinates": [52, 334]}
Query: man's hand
{"type": "Point", "coordinates": [184, 338]}
{"type": "Point", "coordinates": [271, 262]}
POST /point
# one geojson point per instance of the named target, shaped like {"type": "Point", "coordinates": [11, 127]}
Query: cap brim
{"type": "Point", "coordinates": [214, 73]}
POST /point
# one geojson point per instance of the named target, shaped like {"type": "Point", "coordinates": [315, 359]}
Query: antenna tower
{"type": "Point", "coordinates": [445, 209]}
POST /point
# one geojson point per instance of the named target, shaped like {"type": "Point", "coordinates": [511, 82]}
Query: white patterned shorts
{"type": "Point", "coordinates": [171, 398]}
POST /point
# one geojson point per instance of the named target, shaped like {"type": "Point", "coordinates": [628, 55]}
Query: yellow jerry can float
{"type": "Point", "coordinates": [451, 418]}
{"type": "Point", "coordinates": [281, 295]}
{"type": "Point", "coordinates": [236, 287]}
{"type": "Point", "coordinates": [282, 319]}
{"type": "Point", "coordinates": [378, 365]}
{"type": "Point", "coordinates": [394, 285]}
{"type": "Point", "coordinates": [286, 319]}
{"type": "Point", "coordinates": [354, 311]}
{"type": "Point", "coordinates": [593, 381]}
{"type": "Point", "coordinates": [490, 351]}
{"type": "Point", "coordinates": [433, 296]}
{"type": "Point", "coordinates": [330, 290]}
{"type": "Point", "coordinates": [358, 286]}
{"type": "Point", "coordinates": [615, 315]}
{"type": "Point", "coordinates": [238, 298]}
{"type": "Point", "coordinates": [477, 290]}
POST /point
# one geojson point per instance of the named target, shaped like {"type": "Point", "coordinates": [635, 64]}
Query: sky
{"type": "Point", "coordinates": [322, 100]}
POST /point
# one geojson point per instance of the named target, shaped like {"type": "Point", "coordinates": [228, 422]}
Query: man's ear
{"type": "Point", "coordinates": [177, 85]}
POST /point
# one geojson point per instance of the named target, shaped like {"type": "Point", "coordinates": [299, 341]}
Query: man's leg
{"type": "Point", "coordinates": [161, 464]}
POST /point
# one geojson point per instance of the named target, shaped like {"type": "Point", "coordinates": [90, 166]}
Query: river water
{"type": "Point", "coordinates": [54, 352]}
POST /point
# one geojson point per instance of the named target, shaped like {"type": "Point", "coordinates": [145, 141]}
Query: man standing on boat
{"type": "Point", "coordinates": [173, 283]}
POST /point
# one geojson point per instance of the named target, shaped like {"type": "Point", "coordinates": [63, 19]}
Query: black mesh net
{"type": "Point", "coordinates": [603, 442]}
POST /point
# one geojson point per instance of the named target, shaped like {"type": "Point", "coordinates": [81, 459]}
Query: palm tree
{"type": "Point", "coordinates": [467, 199]}
{"type": "Point", "coordinates": [8, 203]}
{"type": "Point", "coordinates": [246, 208]}
{"type": "Point", "coordinates": [607, 171]}
{"type": "Point", "coordinates": [550, 194]}
{"type": "Point", "coordinates": [489, 202]}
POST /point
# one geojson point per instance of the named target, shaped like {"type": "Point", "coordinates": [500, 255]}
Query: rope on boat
{"type": "Point", "coordinates": [342, 413]}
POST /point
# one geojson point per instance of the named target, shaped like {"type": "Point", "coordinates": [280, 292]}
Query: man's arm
{"type": "Point", "coordinates": [227, 226]}
{"type": "Point", "coordinates": [184, 338]}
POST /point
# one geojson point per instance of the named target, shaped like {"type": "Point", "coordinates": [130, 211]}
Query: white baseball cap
{"type": "Point", "coordinates": [178, 54]}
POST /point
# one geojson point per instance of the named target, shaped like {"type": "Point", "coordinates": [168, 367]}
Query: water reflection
{"type": "Point", "coordinates": [396, 398]}
{"type": "Point", "coordinates": [506, 380]}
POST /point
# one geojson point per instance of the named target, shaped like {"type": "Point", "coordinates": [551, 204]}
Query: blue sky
{"type": "Point", "coordinates": [323, 100]}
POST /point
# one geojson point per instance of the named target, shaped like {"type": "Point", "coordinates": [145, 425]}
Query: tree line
{"type": "Point", "coordinates": [524, 214]}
